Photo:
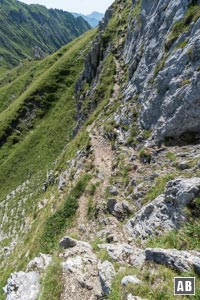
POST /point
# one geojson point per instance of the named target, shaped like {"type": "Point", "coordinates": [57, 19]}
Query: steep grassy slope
{"type": "Point", "coordinates": [34, 31]}
{"type": "Point", "coordinates": [30, 149]}
{"type": "Point", "coordinates": [35, 139]}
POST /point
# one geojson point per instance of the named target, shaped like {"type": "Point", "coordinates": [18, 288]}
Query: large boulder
{"type": "Point", "coordinates": [181, 261]}
{"type": "Point", "coordinates": [67, 242]}
{"type": "Point", "coordinates": [125, 253]}
{"type": "Point", "coordinates": [130, 279]}
{"type": "Point", "coordinates": [166, 212]}
{"type": "Point", "coordinates": [119, 209]}
{"type": "Point", "coordinates": [23, 286]}
{"type": "Point", "coordinates": [85, 277]}
{"type": "Point", "coordinates": [106, 274]}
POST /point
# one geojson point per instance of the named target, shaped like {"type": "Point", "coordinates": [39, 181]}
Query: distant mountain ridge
{"type": "Point", "coordinates": [34, 31]}
{"type": "Point", "coordinates": [93, 19]}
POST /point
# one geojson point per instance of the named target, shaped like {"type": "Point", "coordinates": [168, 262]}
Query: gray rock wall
{"type": "Point", "coordinates": [169, 93]}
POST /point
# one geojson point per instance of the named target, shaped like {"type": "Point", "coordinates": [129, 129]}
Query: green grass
{"type": "Point", "coordinates": [185, 238]}
{"type": "Point", "coordinates": [23, 29]}
{"type": "Point", "coordinates": [156, 284]}
{"type": "Point", "coordinates": [182, 45]}
{"type": "Point", "coordinates": [171, 156]}
{"type": "Point", "coordinates": [160, 65]}
{"type": "Point", "coordinates": [192, 15]}
{"type": "Point", "coordinates": [91, 208]}
{"type": "Point", "coordinates": [158, 187]}
{"type": "Point", "coordinates": [52, 281]}
{"type": "Point", "coordinates": [32, 150]}
{"type": "Point", "coordinates": [63, 217]}
{"type": "Point", "coordinates": [38, 148]}
{"type": "Point", "coordinates": [118, 23]}
{"type": "Point", "coordinates": [145, 155]}
{"type": "Point", "coordinates": [185, 82]}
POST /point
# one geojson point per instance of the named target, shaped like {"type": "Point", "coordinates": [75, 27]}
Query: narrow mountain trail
{"type": "Point", "coordinates": [103, 154]}
{"type": "Point", "coordinates": [72, 290]}
{"type": "Point", "coordinates": [103, 157]}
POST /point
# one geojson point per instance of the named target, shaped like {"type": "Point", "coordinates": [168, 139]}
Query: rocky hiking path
{"type": "Point", "coordinates": [103, 156]}
{"type": "Point", "coordinates": [102, 148]}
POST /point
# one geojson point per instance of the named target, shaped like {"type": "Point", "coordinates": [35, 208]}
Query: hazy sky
{"type": "Point", "coordinates": [80, 6]}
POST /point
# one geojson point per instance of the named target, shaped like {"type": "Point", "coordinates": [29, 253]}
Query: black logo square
{"type": "Point", "coordinates": [184, 286]}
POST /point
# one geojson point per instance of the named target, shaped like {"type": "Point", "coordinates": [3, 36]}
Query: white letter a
{"type": "Point", "coordinates": [180, 287]}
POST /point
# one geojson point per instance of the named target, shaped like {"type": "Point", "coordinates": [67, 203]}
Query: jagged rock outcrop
{"type": "Point", "coordinates": [85, 276]}
{"type": "Point", "coordinates": [163, 68]}
{"type": "Point", "coordinates": [39, 263]}
{"type": "Point", "coordinates": [106, 275]}
{"type": "Point", "coordinates": [26, 285]}
{"type": "Point", "coordinates": [23, 286]}
{"type": "Point", "coordinates": [94, 63]}
{"type": "Point", "coordinates": [181, 261]}
{"type": "Point", "coordinates": [166, 212]}
{"type": "Point", "coordinates": [125, 253]}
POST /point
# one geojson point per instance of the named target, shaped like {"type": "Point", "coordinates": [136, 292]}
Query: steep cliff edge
{"type": "Point", "coordinates": [162, 50]}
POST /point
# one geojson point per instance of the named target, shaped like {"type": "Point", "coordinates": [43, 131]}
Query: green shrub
{"type": "Point", "coordinates": [185, 82]}
{"type": "Point", "coordinates": [171, 156]}
{"type": "Point", "coordinates": [63, 217]}
{"type": "Point", "coordinates": [158, 188]}
{"type": "Point", "coordinates": [192, 15]}
{"type": "Point", "coordinates": [90, 208]}
{"type": "Point", "coordinates": [145, 155]}
{"type": "Point", "coordinates": [52, 282]}
{"type": "Point", "coordinates": [160, 65]}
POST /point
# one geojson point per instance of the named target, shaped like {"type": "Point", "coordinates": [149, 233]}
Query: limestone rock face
{"type": "Point", "coordinates": [163, 72]}
{"type": "Point", "coordinates": [85, 276]}
{"type": "Point", "coordinates": [181, 261]}
{"type": "Point", "coordinates": [26, 285]}
{"type": "Point", "coordinates": [23, 286]}
{"type": "Point", "coordinates": [166, 212]}
{"type": "Point", "coordinates": [39, 263]}
{"type": "Point", "coordinates": [106, 274]}
{"type": "Point", "coordinates": [119, 209]}
{"type": "Point", "coordinates": [125, 253]}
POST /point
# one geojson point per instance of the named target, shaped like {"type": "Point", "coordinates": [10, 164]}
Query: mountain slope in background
{"type": "Point", "coordinates": [93, 19]}
{"type": "Point", "coordinates": [34, 31]}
